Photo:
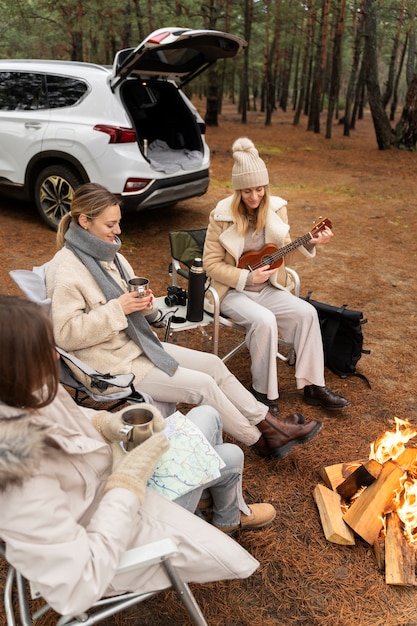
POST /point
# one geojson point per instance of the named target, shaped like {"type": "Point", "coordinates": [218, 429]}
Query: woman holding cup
{"type": "Point", "coordinates": [100, 321]}
{"type": "Point", "coordinates": [69, 507]}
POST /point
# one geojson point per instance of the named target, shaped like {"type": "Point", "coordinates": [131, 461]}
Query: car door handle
{"type": "Point", "coordinates": [33, 125]}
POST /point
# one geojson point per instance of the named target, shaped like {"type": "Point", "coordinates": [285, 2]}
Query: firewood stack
{"type": "Point", "coordinates": [362, 498]}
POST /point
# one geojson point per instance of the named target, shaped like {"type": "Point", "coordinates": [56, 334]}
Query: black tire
{"type": "Point", "coordinates": [53, 193]}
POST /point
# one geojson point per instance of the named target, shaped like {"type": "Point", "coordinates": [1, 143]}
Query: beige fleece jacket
{"type": "Point", "coordinates": [224, 246]}
{"type": "Point", "coordinates": [88, 326]}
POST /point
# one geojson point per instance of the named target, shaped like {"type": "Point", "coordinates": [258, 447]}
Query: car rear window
{"type": "Point", "coordinates": [64, 91]}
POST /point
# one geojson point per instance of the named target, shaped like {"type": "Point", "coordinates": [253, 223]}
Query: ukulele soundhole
{"type": "Point", "coordinates": [267, 260]}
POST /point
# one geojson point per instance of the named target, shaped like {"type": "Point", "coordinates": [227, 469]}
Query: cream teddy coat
{"type": "Point", "coordinates": [64, 534]}
{"type": "Point", "coordinates": [88, 326]}
{"type": "Point", "coordinates": [224, 246]}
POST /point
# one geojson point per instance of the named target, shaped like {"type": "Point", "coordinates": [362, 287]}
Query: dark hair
{"type": "Point", "coordinates": [28, 362]}
{"type": "Point", "coordinates": [91, 199]}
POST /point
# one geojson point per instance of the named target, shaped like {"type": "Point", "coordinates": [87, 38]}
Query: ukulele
{"type": "Point", "coordinates": [273, 256]}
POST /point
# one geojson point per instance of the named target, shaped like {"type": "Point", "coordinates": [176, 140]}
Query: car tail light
{"type": "Point", "coordinates": [117, 134]}
{"type": "Point", "coordinates": [136, 184]}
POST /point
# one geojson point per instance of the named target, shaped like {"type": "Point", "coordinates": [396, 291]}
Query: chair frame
{"type": "Point", "coordinates": [176, 269]}
{"type": "Point", "coordinates": [32, 283]}
{"type": "Point", "coordinates": [157, 552]}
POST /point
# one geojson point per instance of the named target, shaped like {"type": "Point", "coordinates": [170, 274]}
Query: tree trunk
{"type": "Point", "coordinates": [304, 74]}
{"type": "Point", "coordinates": [389, 86]}
{"type": "Point", "coordinates": [383, 131]}
{"type": "Point", "coordinates": [212, 103]}
{"type": "Point", "coordinates": [406, 129]}
{"type": "Point", "coordinates": [394, 99]}
{"type": "Point", "coordinates": [244, 85]}
{"type": "Point", "coordinates": [357, 31]}
{"type": "Point", "coordinates": [270, 85]}
{"type": "Point", "coordinates": [316, 92]}
{"type": "Point", "coordinates": [335, 73]}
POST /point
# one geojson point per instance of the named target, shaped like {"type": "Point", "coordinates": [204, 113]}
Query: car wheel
{"type": "Point", "coordinates": [53, 193]}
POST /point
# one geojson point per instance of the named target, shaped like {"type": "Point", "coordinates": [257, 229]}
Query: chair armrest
{"type": "Point", "coordinates": [295, 279]}
{"type": "Point", "coordinates": [106, 380]}
{"type": "Point", "coordinates": [146, 555]}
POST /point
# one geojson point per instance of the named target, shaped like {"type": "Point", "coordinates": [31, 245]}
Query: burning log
{"type": "Point", "coordinates": [379, 551]}
{"type": "Point", "coordinates": [365, 516]}
{"type": "Point", "coordinates": [363, 476]}
{"type": "Point", "coordinates": [400, 560]}
{"type": "Point", "coordinates": [334, 475]}
{"type": "Point", "coordinates": [384, 488]}
{"type": "Point", "coordinates": [330, 510]}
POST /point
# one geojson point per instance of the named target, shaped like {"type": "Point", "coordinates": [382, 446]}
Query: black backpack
{"type": "Point", "coordinates": [341, 330]}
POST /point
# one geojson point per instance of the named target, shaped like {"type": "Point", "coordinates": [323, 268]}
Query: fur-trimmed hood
{"type": "Point", "coordinates": [22, 445]}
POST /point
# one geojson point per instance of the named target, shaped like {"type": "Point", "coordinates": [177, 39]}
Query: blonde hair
{"type": "Point", "coordinates": [240, 214]}
{"type": "Point", "coordinates": [90, 200]}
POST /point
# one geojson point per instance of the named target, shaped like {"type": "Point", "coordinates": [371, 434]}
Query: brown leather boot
{"type": "Point", "coordinates": [281, 436]}
{"type": "Point", "coordinates": [292, 418]}
{"type": "Point", "coordinates": [261, 447]}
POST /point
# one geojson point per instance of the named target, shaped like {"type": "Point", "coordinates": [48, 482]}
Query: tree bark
{"type": "Point", "coordinates": [383, 131]}
{"type": "Point", "coordinates": [316, 93]}
{"type": "Point", "coordinates": [335, 72]}
{"type": "Point", "coordinates": [406, 129]}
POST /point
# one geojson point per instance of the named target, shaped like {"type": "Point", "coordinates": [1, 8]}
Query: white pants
{"type": "Point", "coordinates": [262, 314]}
{"type": "Point", "coordinates": [203, 378]}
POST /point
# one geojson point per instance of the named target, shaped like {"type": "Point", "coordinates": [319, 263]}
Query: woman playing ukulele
{"type": "Point", "coordinates": [245, 251]}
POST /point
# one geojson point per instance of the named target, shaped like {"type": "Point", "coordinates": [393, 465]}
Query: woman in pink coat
{"type": "Point", "coordinates": [68, 512]}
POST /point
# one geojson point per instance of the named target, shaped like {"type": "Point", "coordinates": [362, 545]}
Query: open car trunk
{"type": "Point", "coordinates": [164, 123]}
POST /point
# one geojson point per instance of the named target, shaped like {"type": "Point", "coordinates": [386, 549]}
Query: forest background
{"type": "Point", "coordinates": [308, 56]}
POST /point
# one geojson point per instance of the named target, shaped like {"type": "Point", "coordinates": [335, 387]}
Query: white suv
{"type": "Point", "coordinates": [129, 127]}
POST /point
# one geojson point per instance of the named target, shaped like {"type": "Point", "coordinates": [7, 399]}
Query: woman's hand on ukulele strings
{"type": "Point", "coordinates": [261, 274]}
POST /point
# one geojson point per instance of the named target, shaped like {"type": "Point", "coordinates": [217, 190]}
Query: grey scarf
{"type": "Point", "coordinates": [91, 250]}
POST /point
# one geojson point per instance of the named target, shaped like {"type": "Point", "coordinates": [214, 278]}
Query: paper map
{"type": "Point", "coordinates": [191, 460]}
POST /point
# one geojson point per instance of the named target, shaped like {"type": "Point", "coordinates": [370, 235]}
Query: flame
{"type": "Point", "coordinates": [389, 446]}
{"type": "Point", "coordinates": [407, 509]}
{"type": "Point", "coordinates": [392, 443]}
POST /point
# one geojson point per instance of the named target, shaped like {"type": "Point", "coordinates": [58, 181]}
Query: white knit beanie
{"type": "Point", "coordinates": [248, 170]}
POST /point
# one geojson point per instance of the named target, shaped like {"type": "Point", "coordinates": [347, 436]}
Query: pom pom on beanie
{"type": "Point", "coordinates": [248, 169]}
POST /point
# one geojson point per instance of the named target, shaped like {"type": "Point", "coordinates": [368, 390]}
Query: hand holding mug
{"type": "Point", "coordinates": [131, 302]}
{"type": "Point", "coordinates": [140, 423]}
{"type": "Point", "coordinates": [140, 284]}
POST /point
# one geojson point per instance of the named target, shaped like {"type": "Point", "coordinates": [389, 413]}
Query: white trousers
{"type": "Point", "coordinates": [203, 378]}
{"type": "Point", "coordinates": [264, 314]}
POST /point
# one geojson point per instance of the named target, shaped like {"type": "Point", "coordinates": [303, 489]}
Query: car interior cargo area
{"type": "Point", "coordinates": [168, 134]}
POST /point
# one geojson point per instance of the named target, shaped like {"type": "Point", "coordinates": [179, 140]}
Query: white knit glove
{"type": "Point", "coordinates": [112, 428]}
{"type": "Point", "coordinates": [137, 466]}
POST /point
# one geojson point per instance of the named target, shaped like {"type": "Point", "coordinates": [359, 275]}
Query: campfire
{"type": "Point", "coordinates": [377, 500]}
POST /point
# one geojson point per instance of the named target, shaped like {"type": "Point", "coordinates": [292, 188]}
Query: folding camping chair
{"type": "Point", "coordinates": [186, 245]}
{"type": "Point", "coordinates": [27, 610]}
{"type": "Point", "coordinates": [32, 283]}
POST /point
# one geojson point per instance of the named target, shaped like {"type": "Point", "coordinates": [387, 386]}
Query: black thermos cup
{"type": "Point", "coordinates": [196, 283]}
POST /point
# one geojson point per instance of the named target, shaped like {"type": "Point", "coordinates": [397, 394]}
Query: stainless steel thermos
{"type": "Point", "coordinates": [196, 283]}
